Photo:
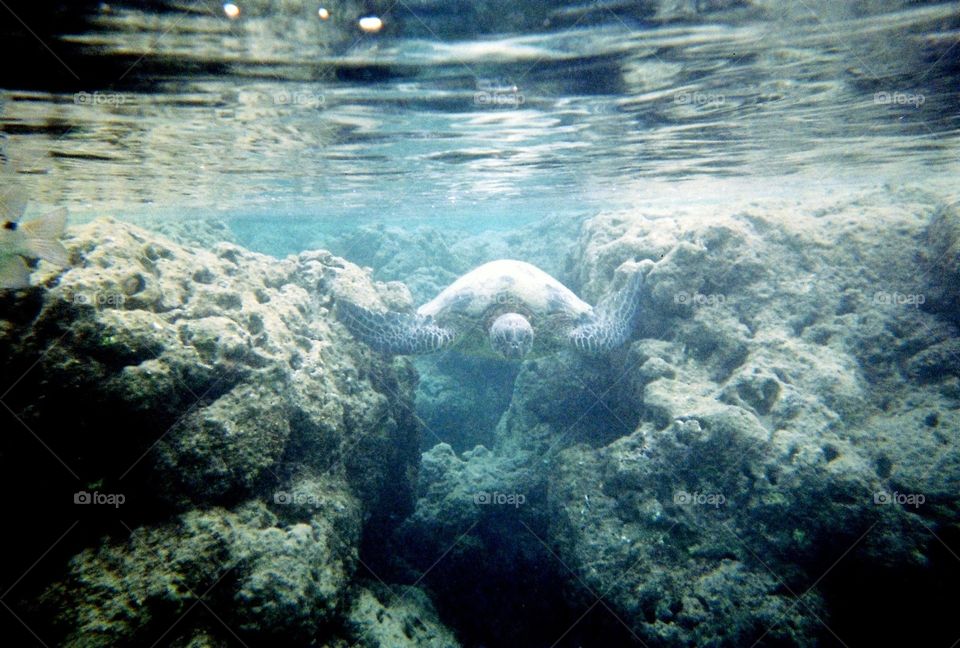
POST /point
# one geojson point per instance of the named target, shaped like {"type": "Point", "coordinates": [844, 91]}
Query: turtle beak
{"type": "Point", "coordinates": [517, 345]}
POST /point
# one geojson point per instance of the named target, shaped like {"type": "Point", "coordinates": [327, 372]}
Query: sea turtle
{"type": "Point", "coordinates": [511, 306]}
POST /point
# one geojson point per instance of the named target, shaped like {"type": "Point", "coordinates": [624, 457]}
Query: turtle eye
{"type": "Point", "coordinates": [10, 225]}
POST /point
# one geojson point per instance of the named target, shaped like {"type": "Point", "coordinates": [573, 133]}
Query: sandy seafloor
{"type": "Point", "coordinates": [772, 460]}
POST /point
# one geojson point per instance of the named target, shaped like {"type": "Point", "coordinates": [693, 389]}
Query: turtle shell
{"type": "Point", "coordinates": [472, 302]}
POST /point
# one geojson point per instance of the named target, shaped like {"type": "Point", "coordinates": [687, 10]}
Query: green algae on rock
{"type": "Point", "coordinates": [252, 440]}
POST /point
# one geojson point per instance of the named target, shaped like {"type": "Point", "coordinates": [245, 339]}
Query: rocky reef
{"type": "Point", "coordinates": [211, 449]}
{"type": "Point", "coordinates": [771, 461]}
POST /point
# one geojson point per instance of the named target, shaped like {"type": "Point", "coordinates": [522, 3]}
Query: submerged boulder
{"type": "Point", "coordinates": [244, 440]}
{"type": "Point", "coordinates": [399, 617]}
{"type": "Point", "coordinates": [261, 577]}
{"type": "Point", "coordinates": [753, 468]}
{"type": "Point", "coordinates": [782, 430]}
{"type": "Point", "coordinates": [189, 373]}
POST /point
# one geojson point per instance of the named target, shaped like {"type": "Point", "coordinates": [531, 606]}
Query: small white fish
{"type": "Point", "coordinates": [20, 242]}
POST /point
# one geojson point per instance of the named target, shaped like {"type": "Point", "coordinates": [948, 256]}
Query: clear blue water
{"type": "Point", "coordinates": [477, 119]}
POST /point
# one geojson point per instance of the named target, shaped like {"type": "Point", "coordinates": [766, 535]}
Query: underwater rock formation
{"type": "Point", "coordinates": [760, 436]}
{"type": "Point", "coordinates": [259, 575]}
{"type": "Point", "coordinates": [248, 444]}
{"type": "Point", "coordinates": [403, 616]}
{"type": "Point", "coordinates": [772, 461]}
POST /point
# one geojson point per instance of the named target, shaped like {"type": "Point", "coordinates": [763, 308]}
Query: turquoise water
{"type": "Point", "coordinates": [769, 458]}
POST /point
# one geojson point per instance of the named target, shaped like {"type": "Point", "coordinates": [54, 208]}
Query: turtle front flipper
{"type": "Point", "coordinates": [613, 320]}
{"type": "Point", "coordinates": [394, 333]}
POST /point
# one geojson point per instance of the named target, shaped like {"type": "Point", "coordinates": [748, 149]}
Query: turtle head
{"type": "Point", "coordinates": [511, 335]}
